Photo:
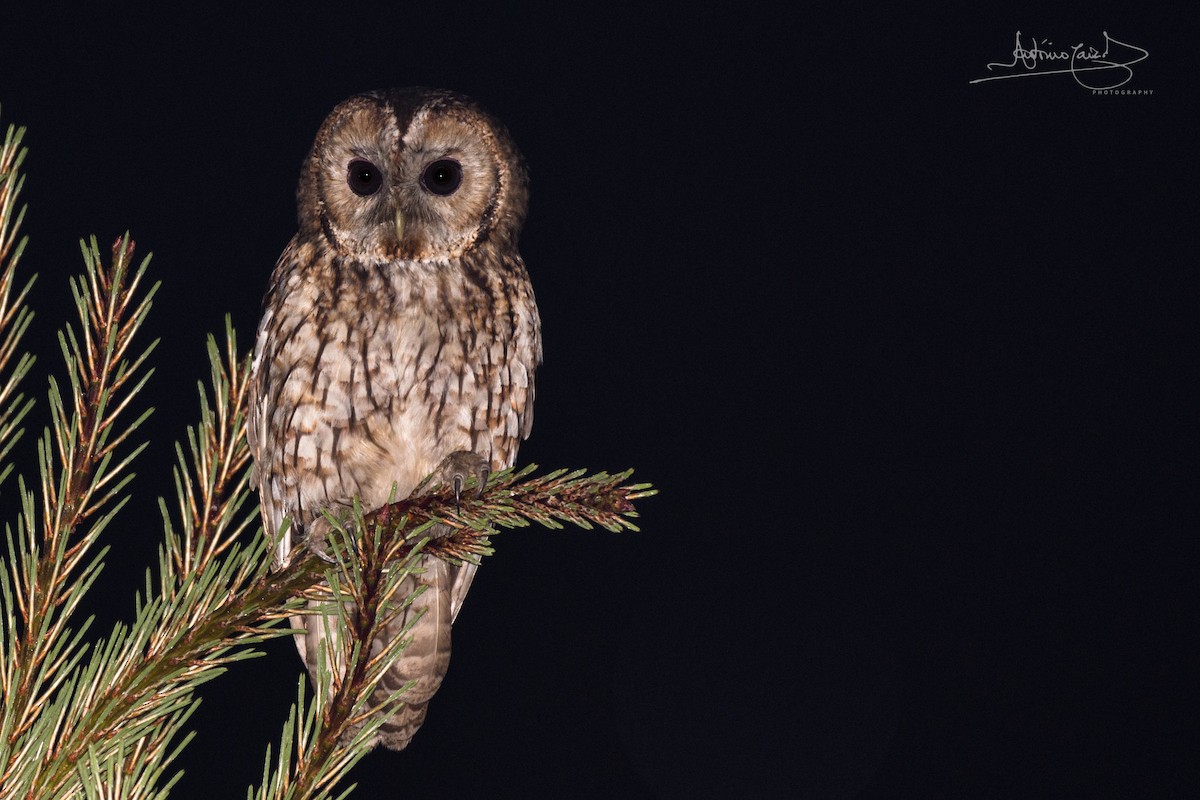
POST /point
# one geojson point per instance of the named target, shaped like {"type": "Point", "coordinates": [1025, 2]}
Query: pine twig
{"type": "Point", "coordinates": [213, 483]}
{"type": "Point", "coordinates": [317, 749]}
{"type": "Point", "coordinates": [374, 553]}
{"type": "Point", "coordinates": [216, 600]}
{"type": "Point", "coordinates": [512, 499]}
{"type": "Point", "coordinates": [51, 569]}
{"type": "Point", "coordinates": [15, 314]}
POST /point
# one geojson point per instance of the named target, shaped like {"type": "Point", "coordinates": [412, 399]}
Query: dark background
{"type": "Point", "coordinates": [907, 357]}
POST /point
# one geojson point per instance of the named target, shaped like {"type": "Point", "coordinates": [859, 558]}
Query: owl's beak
{"type": "Point", "coordinates": [399, 225]}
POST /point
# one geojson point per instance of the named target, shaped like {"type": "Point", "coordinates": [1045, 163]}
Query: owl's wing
{"type": "Point", "coordinates": [511, 405]}
{"type": "Point", "coordinates": [529, 343]}
{"type": "Point", "coordinates": [523, 390]}
{"type": "Point", "coordinates": [461, 578]}
{"type": "Point", "coordinates": [256, 411]}
{"type": "Point", "coordinates": [258, 420]}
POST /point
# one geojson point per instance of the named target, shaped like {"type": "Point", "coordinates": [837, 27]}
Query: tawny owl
{"type": "Point", "coordinates": [399, 338]}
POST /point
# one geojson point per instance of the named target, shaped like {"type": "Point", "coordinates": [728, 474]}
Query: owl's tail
{"type": "Point", "coordinates": [424, 660]}
{"type": "Point", "coordinates": [427, 655]}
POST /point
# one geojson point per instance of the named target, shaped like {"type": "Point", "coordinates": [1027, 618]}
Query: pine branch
{"type": "Point", "coordinates": [513, 500]}
{"type": "Point", "coordinates": [213, 484]}
{"type": "Point", "coordinates": [324, 739]}
{"type": "Point", "coordinates": [216, 599]}
{"type": "Point", "coordinates": [52, 563]}
{"type": "Point", "coordinates": [15, 315]}
{"type": "Point", "coordinates": [362, 588]}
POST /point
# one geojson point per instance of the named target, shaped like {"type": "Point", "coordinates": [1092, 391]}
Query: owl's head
{"type": "Point", "coordinates": [413, 174]}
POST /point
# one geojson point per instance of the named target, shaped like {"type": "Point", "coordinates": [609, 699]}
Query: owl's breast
{"type": "Point", "coordinates": [384, 379]}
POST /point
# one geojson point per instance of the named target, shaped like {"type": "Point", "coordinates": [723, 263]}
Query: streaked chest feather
{"type": "Point", "coordinates": [376, 373]}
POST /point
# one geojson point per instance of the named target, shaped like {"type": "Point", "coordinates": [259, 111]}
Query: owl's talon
{"type": "Point", "coordinates": [316, 539]}
{"type": "Point", "coordinates": [322, 554]}
{"type": "Point", "coordinates": [318, 544]}
{"type": "Point", "coordinates": [460, 465]}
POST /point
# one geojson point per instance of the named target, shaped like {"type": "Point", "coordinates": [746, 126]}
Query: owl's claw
{"type": "Point", "coordinates": [460, 465]}
{"type": "Point", "coordinates": [316, 539]}
{"type": "Point", "coordinates": [454, 471]}
{"type": "Point", "coordinates": [321, 553]}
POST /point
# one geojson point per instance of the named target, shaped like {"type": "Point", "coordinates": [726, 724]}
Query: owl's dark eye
{"type": "Point", "coordinates": [442, 176]}
{"type": "Point", "coordinates": [363, 177]}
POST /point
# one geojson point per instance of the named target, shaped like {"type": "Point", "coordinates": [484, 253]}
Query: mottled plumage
{"type": "Point", "coordinates": [399, 328]}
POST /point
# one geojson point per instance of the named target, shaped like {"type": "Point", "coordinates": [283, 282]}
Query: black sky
{"type": "Point", "coordinates": [905, 355]}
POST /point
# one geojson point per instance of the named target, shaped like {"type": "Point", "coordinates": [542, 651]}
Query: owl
{"type": "Point", "coordinates": [399, 339]}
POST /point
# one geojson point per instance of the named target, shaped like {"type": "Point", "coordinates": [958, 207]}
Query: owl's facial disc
{"type": "Point", "coordinates": [415, 175]}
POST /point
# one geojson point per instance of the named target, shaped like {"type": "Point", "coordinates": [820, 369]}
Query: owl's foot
{"type": "Point", "coordinates": [454, 471]}
{"type": "Point", "coordinates": [457, 467]}
{"type": "Point", "coordinates": [316, 539]}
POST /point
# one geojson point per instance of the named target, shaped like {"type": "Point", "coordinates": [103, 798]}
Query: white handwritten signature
{"type": "Point", "coordinates": [1080, 60]}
